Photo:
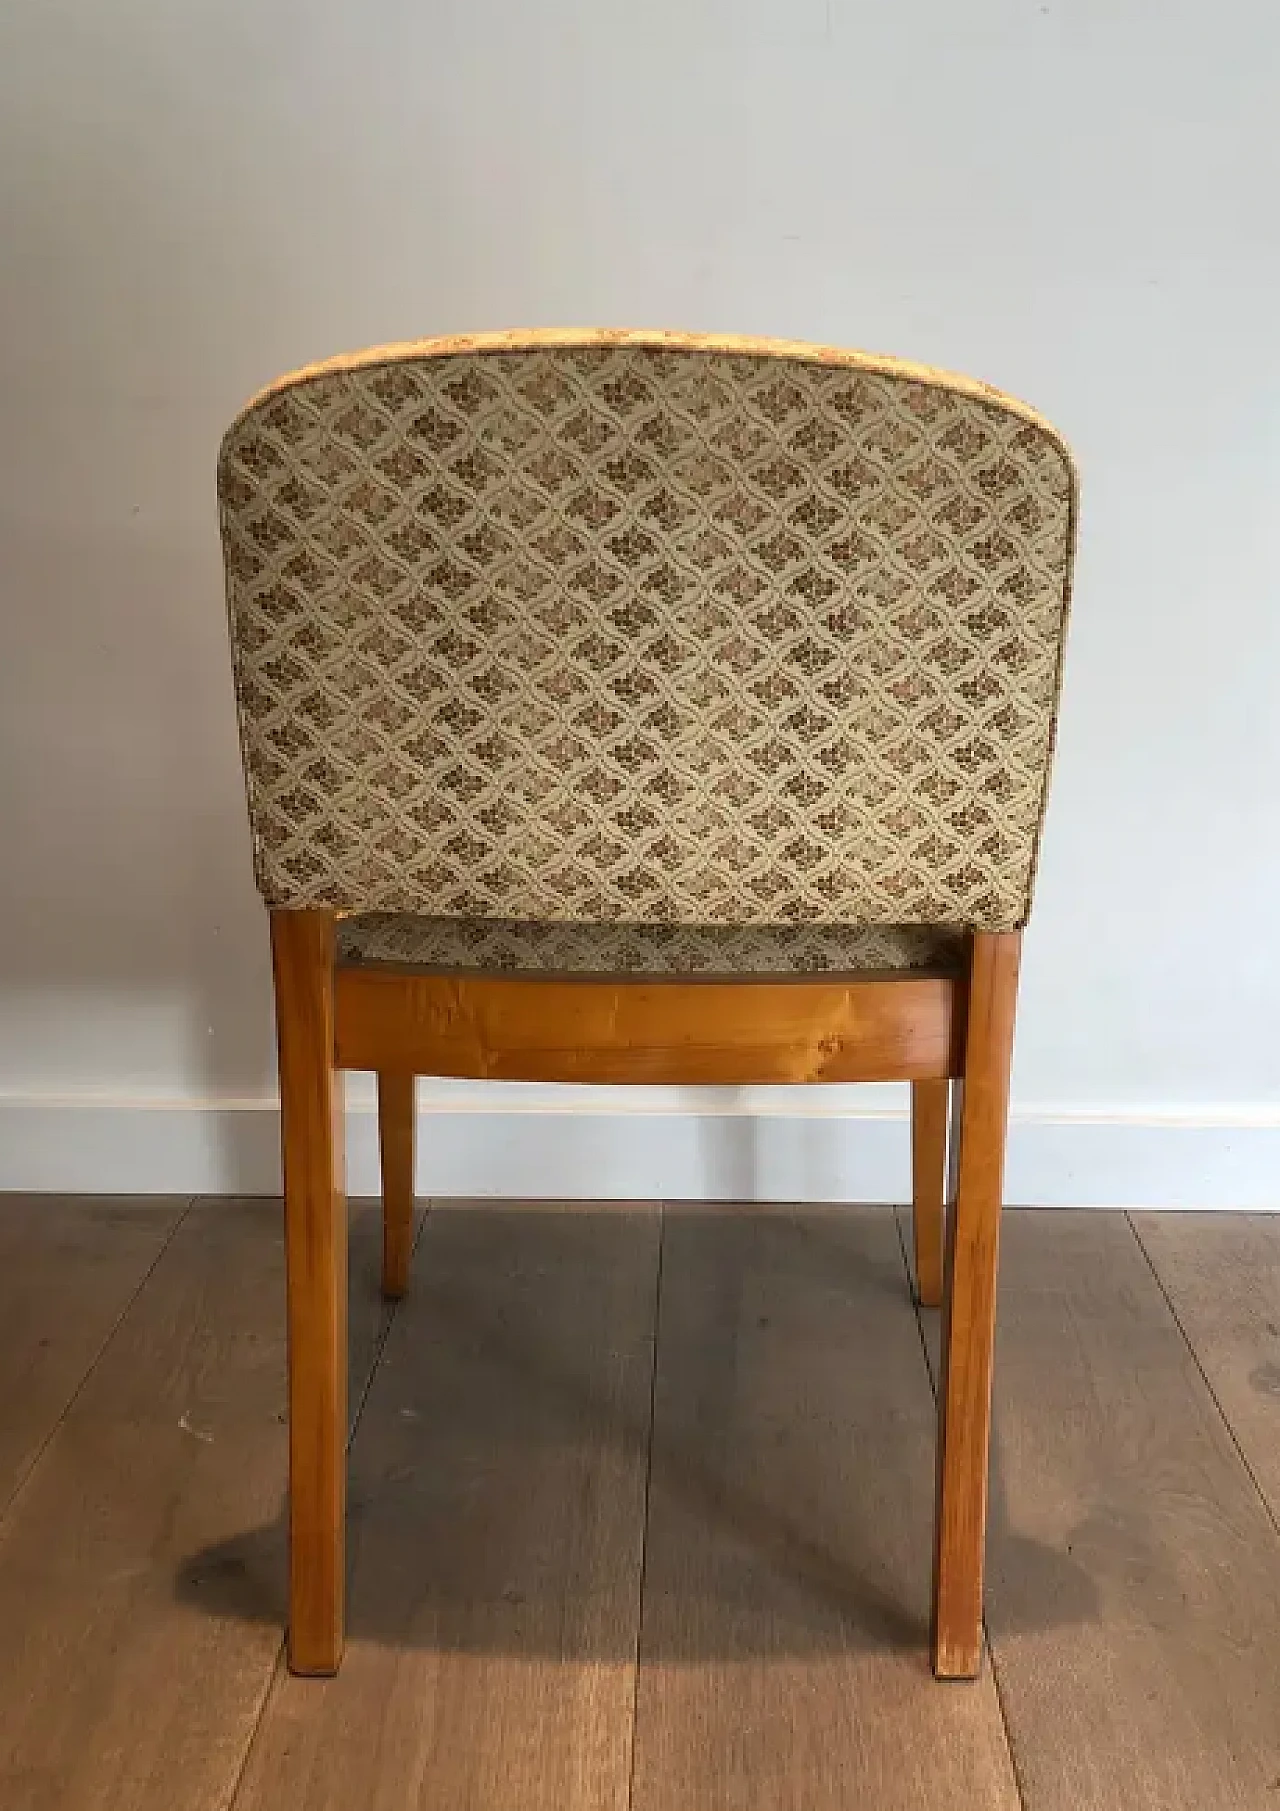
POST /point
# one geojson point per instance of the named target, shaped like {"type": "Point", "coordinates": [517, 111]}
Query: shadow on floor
{"type": "Point", "coordinates": [506, 1495]}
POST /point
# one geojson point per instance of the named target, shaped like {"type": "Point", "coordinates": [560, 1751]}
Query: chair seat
{"type": "Point", "coordinates": [643, 949]}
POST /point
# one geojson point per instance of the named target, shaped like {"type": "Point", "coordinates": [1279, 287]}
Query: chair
{"type": "Point", "coordinates": [643, 707]}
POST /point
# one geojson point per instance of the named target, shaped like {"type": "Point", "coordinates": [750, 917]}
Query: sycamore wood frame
{"type": "Point", "coordinates": [949, 1034]}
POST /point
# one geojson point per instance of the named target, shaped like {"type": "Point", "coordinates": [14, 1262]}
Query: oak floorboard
{"type": "Point", "coordinates": [1221, 1273]}
{"type": "Point", "coordinates": [497, 1514]}
{"type": "Point", "coordinates": [785, 1636]}
{"type": "Point", "coordinates": [69, 1267]}
{"type": "Point", "coordinates": [1133, 1581]}
{"type": "Point", "coordinates": [142, 1565]}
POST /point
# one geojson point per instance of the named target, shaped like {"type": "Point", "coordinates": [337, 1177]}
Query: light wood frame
{"type": "Point", "coordinates": [950, 1035]}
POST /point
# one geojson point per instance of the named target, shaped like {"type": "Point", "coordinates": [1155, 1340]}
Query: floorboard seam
{"type": "Point", "coordinates": [389, 1312]}
{"type": "Point", "coordinates": [648, 1482]}
{"type": "Point", "coordinates": [1204, 1375]}
{"type": "Point", "coordinates": [268, 1693]}
{"type": "Point", "coordinates": [1010, 1746]}
{"type": "Point", "coordinates": [7, 1509]}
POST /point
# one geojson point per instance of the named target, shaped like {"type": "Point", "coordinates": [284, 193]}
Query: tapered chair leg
{"type": "Point", "coordinates": [930, 1108]}
{"type": "Point", "coordinates": [316, 1257]}
{"type": "Point", "coordinates": [969, 1310]}
{"type": "Point", "coordinates": [395, 1144]}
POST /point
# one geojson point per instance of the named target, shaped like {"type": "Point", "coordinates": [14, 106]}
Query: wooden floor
{"type": "Point", "coordinates": [641, 1504]}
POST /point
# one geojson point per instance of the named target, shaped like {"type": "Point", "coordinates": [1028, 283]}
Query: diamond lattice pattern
{"type": "Point", "coordinates": [625, 633]}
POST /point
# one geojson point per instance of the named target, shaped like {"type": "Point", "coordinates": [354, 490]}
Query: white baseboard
{"type": "Point", "coordinates": [765, 1145]}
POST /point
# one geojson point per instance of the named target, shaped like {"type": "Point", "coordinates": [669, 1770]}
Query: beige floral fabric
{"type": "Point", "coordinates": [636, 629]}
{"type": "Point", "coordinates": [655, 949]}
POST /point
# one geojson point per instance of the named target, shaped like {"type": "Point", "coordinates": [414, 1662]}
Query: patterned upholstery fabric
{"type": "Point", "coordinates": [642, 629]}
{"type": "Point", "coordinates": [654, 949]}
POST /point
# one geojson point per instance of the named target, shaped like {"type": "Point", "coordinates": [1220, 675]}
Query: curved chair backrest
{"type": "Point", "coordinates": [648, 628]}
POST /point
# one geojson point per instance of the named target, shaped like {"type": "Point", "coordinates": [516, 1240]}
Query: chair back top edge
{"type": "Point", "coordinates": [659, 339]}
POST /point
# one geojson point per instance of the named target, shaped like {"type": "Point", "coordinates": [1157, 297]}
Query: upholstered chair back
{"type": "Point", "coordinates": [646, 628]}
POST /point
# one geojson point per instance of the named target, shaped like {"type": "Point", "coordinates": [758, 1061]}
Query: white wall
{"type": "Point", "coordinates": [1075, 200]}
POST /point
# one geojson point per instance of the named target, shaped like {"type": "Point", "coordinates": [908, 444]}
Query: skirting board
{"type": "Point", "coordinates": [1227, 1160]}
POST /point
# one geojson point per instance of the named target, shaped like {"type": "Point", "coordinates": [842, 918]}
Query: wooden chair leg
{"type": "Point", "coordinates": [969, 1310]}
{"type": "Point", "coordinates": [395, 1143]}
{"type": "Point", "coordinates": [930, 1107]}
{"type": "Point", "coordinates": [302, 946]}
